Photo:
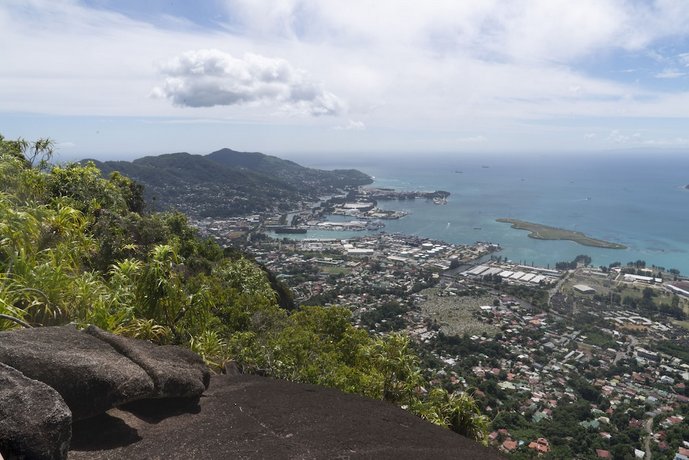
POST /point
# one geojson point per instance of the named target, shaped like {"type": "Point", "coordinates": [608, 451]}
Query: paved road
{"type": "Point", "coordinates": [559, 284]}
{"type": "Point", "coordinates": [648, 425]}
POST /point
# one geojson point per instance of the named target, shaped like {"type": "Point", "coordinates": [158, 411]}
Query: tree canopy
{"type": "Point", "coordinates": [76, 247]}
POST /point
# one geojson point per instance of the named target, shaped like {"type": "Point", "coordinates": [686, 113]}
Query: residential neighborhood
{"type": "Point", "coordinates": [567, 363]}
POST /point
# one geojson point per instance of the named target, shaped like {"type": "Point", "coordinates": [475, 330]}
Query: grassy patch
{"type": "Point", "coordinates": [675, 349]}
{"type": "Point", "coordinates": [684, 324]}
{"type": "Point", "coordinates": [334, 270]}
{"type": "Point", "coordinates": [455, 314]}
{"type": "Point", "coordinates": [600, 339]}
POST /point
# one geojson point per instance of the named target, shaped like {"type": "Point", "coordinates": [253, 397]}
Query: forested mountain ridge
{"type": "Point", "coordinates": [227, 182]}
{"type": "Point", "coordinates": [78, 248]}
{"type": "Point", "coordinates": [290, 172]}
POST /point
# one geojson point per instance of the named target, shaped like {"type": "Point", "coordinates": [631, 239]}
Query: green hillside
{"type": "Point", "coordinates": [290, 172]}
{"type": "Point", "coordinates": [76, 247]}
{"type": "Point", "coordinates": [228, 183]}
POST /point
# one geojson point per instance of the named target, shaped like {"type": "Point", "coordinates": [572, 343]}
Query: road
{"type": "Point", "coordinates": [625, 353]}
{"type": "Point", "coordinates": [648, 426]}
{"type": "Point", "coordinates": [559, 284]}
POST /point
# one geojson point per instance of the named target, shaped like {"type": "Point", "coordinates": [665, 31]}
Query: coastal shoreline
{"type": "Point", "coordinates": [545, 232]}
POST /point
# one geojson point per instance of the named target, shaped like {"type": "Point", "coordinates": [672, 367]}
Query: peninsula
{"type": "Point", "coordinates": [544, 232]}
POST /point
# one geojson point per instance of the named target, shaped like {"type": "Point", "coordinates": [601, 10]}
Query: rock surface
{"type": "Point", "coordinates": [35, 423]}
{"type": "Point", "coordinates": [245, 417]}
{"type": "Point", "coordinates": [240, 416]}
{"type": "Point", "coordinates": [95, 370]}
{"type": "Point", "coordinates": [176, 372]}
{"type": "Point", "coordinates": [88, 373]}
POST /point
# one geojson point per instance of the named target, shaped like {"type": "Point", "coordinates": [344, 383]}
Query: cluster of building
{"type": "Point", "coordinates": [545, 358]}
{"type": "Point", "coordinates": [522, 274]}
{"type": "Point", "coordinates": [224, 231]}
{"type": "Point", "coordinates": [627, 321]}
{"type": "Point", "coordinates": [365, 210]}
{"type": "Point", "coordinates": [545, 352]}
{"type": "Point", "coordinates": [371, 270]}
{"type": "Point", "coordinates": [403, 250]}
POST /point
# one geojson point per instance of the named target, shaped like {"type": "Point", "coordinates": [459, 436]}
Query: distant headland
{"type": "Point", "coordinates": [544, 232]}
{"type": "Point", "coordinates": [227, 183]}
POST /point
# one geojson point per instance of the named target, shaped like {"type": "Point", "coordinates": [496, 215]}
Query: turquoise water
{"type": "Point", "coordinates": [637, 200]}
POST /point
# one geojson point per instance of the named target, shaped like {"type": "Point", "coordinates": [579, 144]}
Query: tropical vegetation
{"type": "Point", "coordinates": [76, 247]}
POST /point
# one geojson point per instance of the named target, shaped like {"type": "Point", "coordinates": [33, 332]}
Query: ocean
{"type": "Point", "coordinates": [635, 199]}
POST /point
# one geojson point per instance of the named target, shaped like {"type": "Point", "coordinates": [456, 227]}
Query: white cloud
{"type": "Point", "coordinates": [208, 78]}
{"type": "Point", "coordinates": [518, 30]}
{"type": "Point", "coordinates": [670, 73]}
{"type": "Point", "coordinates": [618, 137]}
{"type": "Point", "coordinates": [683, 59]}
{"type": "Point", "coordinates": [637, 139]}
{"type": "Point", "coordinates": [352, 125]}
{"type": "Point", "coordinates": [664, 142]}
{"type": "Point", "coordinates": [414, 71]}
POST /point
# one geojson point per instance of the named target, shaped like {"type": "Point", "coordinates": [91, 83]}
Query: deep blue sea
{"type": "Point", "coordinates": [635, 199]}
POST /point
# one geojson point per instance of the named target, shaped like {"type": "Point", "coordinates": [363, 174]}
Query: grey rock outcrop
{"type": "Point", "coordinates": [251, 417]}
{"type": "Point", "coordinates": [238, 417]}
{"type": "Point", "coordinates": [88, 373]}
{"type": "Point", "coordinates": [176, 372]}
{"type": "Point", "coordinates": [35, 422]}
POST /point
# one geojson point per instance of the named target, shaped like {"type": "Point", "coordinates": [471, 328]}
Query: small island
{"type": "Point", "coordinates": [544, 232]}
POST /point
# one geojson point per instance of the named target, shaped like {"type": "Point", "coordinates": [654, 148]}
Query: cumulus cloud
{"type": "Point", "coordinates": [407, 68]}
{"type": "Point", "coordinates": [515, 30]}
{"type": "Point", "coordinates": [207, 78]}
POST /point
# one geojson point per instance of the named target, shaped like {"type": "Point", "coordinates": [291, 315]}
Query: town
{"type": "Point", "coordinates": [572, 362]}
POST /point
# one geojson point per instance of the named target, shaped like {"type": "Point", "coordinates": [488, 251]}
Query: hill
{"type": "Point", "coordinates": [228, 183]}
{"type": "Point", "coordinates": [77, 249]}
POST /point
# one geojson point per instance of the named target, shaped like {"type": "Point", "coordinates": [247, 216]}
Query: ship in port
{"type": "Point", "coordinates": [282, 230]}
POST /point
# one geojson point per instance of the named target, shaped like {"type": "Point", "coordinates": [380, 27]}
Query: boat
{"type": "Point", "coordinates": [281, 230]}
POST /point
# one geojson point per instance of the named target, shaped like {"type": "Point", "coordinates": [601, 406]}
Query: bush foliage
{"type": "Point", "coordinates": [76, 247]}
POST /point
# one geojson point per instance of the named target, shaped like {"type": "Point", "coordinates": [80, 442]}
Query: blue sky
{"type": "Point", "coordinates": [126, 78]}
